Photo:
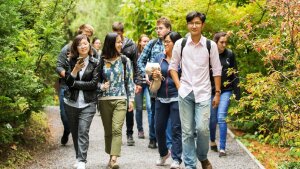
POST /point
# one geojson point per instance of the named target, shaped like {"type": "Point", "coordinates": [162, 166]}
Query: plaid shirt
{"type": "Point", "coordinates": [148, 55]}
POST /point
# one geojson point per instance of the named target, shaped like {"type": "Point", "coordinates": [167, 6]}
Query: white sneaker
{"type": "Point", "coordinates": [81, 165]}
{"type": "Point", "coordinates": [162, 160]}
{"type": "Point", "coordinates": [175, 165]}
{"type": "Point", "coordinates": [76, 164]}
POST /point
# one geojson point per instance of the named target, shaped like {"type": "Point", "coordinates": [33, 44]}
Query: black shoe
{"type": "Point", "coordinates": [141, 135]}
{"type": "Point", "coordinates": [65, 138]}
{"type": "Point", "coordinates": [214, 148]}
{"type": "Point", "coordinates": [152, 144]}
{"type": "Point", "coordinates": [130, 141]}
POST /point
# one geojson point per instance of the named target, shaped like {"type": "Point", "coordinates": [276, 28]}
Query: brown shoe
{"type": "Point", "coordinates": [113, 165]}
{"type": "Point", "coordinates": [206, 164]}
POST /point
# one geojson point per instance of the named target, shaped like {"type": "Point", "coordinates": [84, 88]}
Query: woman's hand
{"type": "Point", "coordinates": [156, 74]}
{"type": "Point", "coordinates": [130, 106]}
{"type": "Point", "coordinates": [105, 86]}
{"type": "Point", "coordinates": [78, 67]}
{"type": "Point", "coordinates": [216, 101]}
{"type": "Point", "coordinates": [147, 79]}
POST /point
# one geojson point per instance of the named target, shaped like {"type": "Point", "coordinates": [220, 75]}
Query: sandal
{"type": "Point", "coordinates": [113, 164]}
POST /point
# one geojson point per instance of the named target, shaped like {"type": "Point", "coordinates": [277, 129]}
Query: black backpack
{"type": "Point", "coordinates": [124, 62]}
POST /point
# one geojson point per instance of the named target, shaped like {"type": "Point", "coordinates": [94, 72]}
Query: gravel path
{"type": "Point", "coordinates": [134, 157]}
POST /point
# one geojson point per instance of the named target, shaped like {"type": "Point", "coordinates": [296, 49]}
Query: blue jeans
{"type": "Point", "coordinates": [139, 99]}
{"type": "Point", "coordinates": [167, 113]}
{"type": "Point", "coordinates": [63, 114]}
{"type": "Point", "coordinates": [194, 118]}
{"type": "Point", "coordinates": [218, 115]}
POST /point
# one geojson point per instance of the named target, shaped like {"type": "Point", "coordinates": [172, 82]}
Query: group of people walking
{"type": "Point", "coordinates": [192, 98]}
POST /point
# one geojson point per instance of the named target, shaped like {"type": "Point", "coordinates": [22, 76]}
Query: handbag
{"type": "Point", "coordinates": [155, 85]}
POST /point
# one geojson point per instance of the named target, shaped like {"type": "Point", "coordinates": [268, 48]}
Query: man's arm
{"type": "Point", "coordinates": [61, 61]}
{"type": "Point", "coordinates": [217, 72]}
{"type": "Point", "coordinates": [142, 61]}
{"type": "Point", "coordinates": [175, 77]}
{"type": "Point", "coordinates": [175, 60]}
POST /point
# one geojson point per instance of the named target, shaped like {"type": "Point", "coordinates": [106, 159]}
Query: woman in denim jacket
{"type": "Point", "coordinates": [116, 87]}
{"type": "Point", "coordinates": [166, 106]}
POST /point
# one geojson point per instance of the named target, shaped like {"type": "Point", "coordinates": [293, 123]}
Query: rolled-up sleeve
{"type": "Point", "coordinates": [214, 60]}
{"type": "Point", "coordinates": [176, 58]}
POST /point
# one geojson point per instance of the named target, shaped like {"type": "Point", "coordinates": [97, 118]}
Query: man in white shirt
{"type": "Point", "coordinates": [194, 88]}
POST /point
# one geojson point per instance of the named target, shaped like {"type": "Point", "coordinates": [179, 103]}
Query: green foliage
{"type": "Point", "coordinates": [265, 37]}
{"type": "Point", "coordinates": [270, 106]}
{"type": "Point", "coordinates": [290, 165]}
{"type": "Point", "coordinates": [36, 133]}
{"type": "Point", "coordinates": [140, 18]}
{"type": "Point", "coordinates": [99, 13]}
{"type": "Point", "coordinates": [32, 35]}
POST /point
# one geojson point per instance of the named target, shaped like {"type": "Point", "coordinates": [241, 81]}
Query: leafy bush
{"type": "Point", "coordinates": [270, 106]}
{"type": "Point", "coordinates": [265, 37]}
{"type": "Point", "coordinates": [32, 36]}
{"type": "Point", "coordinates": [290, 165]}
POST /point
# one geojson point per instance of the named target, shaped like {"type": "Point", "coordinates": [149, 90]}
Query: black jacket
{"type": "Point", "coordinates": [227, 59]}
{"type": "Point", "coordinates": [88, 82]}
{"type": "Point", "coordinates": [129, 49]}
{"type": "Point", "coordinates": [62, 60]}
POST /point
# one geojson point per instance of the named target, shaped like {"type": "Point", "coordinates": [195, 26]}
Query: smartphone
{"type": "Point", "coordinates": [80, 59]}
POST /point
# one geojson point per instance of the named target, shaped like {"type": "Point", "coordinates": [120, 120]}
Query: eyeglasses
{"type": "Point", "coordinates": [167, 41]}
{"type": "Point", "coordinates": [82, 45]}
{"type": "Point", "coordinates": [197, 24]}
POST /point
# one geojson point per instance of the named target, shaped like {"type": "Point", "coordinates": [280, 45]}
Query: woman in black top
{"type": "Point", "coordinates": [229, 85]}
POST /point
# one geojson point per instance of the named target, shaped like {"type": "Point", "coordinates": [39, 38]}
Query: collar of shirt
{"type": "Point", "coordinates": [202, 41]}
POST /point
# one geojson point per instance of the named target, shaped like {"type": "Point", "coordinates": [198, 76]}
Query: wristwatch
{"type": "Point", "coordinates": [218, 91]}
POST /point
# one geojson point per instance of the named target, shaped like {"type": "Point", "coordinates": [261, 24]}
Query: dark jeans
{"type": "Point", "coordinates": [152, 135]}
{"type": "Point", "coordinates": [139, 100]}
{"type": "Point", "coordinates": [164, 111]}
{"type": "Point", "coordinates": [129, 122]}
{"type": "Point", "coordinates": [80, 120]}
{"type": "Point", "coordinates": [63, 114]}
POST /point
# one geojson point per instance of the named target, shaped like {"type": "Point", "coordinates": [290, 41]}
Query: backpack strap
{"type": "Point", "coordinates": [208, 46]}
{"type": "Point", "coordinates": [183, 43]}
{"type": "Point", "coordinates": [101, 65]}
{"type": "Point", "coordinates": [152, 44]}
{"type": "Point", "coordinates": [124, 62]}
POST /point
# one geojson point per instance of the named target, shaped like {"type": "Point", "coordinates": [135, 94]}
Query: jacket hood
{"type": "Point", "coordinates": [127, 42]}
